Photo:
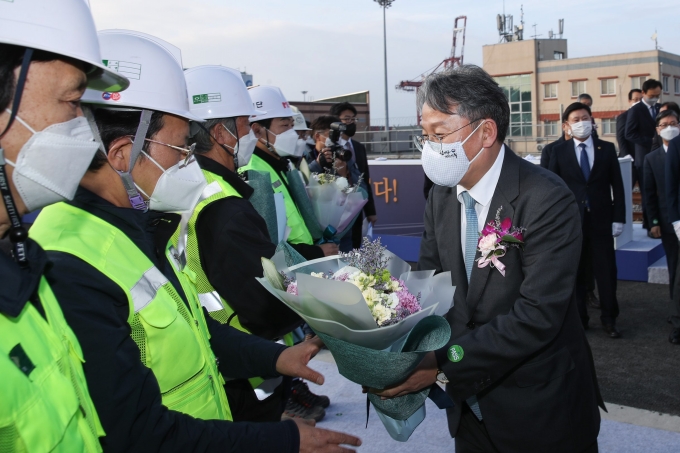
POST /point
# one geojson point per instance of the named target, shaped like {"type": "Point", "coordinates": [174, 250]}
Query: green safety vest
{"type": "Point", "coordinates": [44, 401]}
{"type": "Point", "coordinates": [299, 234]}
{"type": "Point", "coordinates": [218, 308]}
{"type": "Point", "coordinates": [173, 340]}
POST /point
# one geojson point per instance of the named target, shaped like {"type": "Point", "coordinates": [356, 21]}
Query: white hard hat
{"type": "Point", "coordinates": [218, 92]}
{"type": "Point", "coordinates": [63, 27]}
{"type": "Point", "coordinates": [154, 68]}
{"type": "Point", "coordinates": [271, 100]}
{"type": "Point", "coordinates": [300, 123]}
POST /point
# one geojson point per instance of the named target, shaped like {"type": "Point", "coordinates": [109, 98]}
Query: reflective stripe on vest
{"type": "Point", "coordinates": [299, 234]}
{"type": "Point", "coordinates": [44, 401]}
{"type": "Point", "coordinates": [172, 338]}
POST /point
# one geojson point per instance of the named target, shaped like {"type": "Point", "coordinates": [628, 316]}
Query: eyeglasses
{"type": "Point", "coordinates": [188, 153]}
{"type": "Point", "coordinates": [665, 125]}
{"type": "Point", "coordinates": [349, 119]}
{"type": "Point", "coordinates": [436, 141]}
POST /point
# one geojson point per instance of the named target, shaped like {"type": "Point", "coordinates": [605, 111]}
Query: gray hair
{"type": "Point", "coordinates": [471, 92]}
{"type": "Point", "coordinates": [203, 139]}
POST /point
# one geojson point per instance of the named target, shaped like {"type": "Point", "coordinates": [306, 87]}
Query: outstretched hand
{"type": "Point", "coordinates": [316, 440]}
{"type": "Point", "coordinates": [293, 361]}
{"type": "Point", "coordinates": [423, 376]}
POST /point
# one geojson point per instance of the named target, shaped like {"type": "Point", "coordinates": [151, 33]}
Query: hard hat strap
{"type": "Point", "coordinates": [135, 198]}
{"type": "Point", "coordinates": [17, 233]}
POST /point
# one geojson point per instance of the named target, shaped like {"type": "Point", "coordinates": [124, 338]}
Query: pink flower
{"type": "Point", "coordinates": [292, 289]}
{"type": "Point", "coordinates": [506, 224]}
{"type": "Point", "coordinates": [488, 243]}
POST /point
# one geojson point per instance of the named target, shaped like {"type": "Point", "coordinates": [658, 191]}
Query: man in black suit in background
{"type": "Point", "coordinates": [591, 170]}
{"type": "Point", "coordinates": [655, 192]}
{"type": "Point", "coordinates": [348, 115]}
{"type": "Point", "coordinates": [626, 147]}
{"type": "Point", "coordinates": [673, 200]}
{"type": "Point", "coordinates": [641, 129]}
{"type": "Point", "coordinates": [518, 365]}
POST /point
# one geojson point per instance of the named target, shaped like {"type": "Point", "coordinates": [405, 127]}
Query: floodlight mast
{"type": "Point", "coordinates": [386, 4]}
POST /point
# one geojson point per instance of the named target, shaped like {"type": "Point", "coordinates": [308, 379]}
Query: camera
{"type": "Point", "coordinates": [337, 150]}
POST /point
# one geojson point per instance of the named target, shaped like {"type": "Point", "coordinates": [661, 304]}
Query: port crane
{"type": "Point", "coordinates": [452, 61]}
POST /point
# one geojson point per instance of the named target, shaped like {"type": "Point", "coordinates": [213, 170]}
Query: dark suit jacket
{"type": "Point", "coordinates": [655, 190]}
{"type": "Point", "coordinates": [362, 164]}
{"type": "Point", "coordinates": [626, 147]}
{"type": "Point", "coordinates": [525, 354]}
{"type": "Point", "coordinates": [641, 129]}
{"type": "Point", "coordinates": [547, 149]}
{"type": "Point", "coordinates": [605, 178]}
{"type": "Point", "coordinates": [673, 179]}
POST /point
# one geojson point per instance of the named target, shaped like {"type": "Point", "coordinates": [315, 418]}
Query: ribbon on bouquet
{"type": "Point", "coordinates": [329, 235]}
{"type": "Point", "coordinates": [493, 259]}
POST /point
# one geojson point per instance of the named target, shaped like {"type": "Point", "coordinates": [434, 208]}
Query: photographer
{"type": "Point", "coordinates": [327, 151]}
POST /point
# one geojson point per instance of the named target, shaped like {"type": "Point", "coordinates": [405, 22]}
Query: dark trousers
{"type": "Point", "coordinates": [675, 301]}
{"type": "Point", "coordinates": [597, 251]}
{"type": "Point", "coordinates": [245, 407]}
{"type": "Point", "coordinates": [472, 436]}
{"type": "Point", "coordinates": [670, 246]}
{"type": "Point", "coordinates": [640, 180]}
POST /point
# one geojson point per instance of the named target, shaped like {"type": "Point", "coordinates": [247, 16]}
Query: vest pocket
{"type": "Point", "coordinates": [196, 397]}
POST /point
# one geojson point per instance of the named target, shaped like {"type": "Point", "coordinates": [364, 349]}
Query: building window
{"type": "Point", "coordinates": [609, 126]}
{"type": "Point", "coordinates": [577, 88]}
{"type": "Point", "coordinates": [558, 55]}
{"type": "Point", "coordinates": [550, 128]}
{"type": "Point", "coordinates": [677, 86]}
{"type": "Point", "coordinates": [608, 86]}
{"type": "Point", "coordinates": [637, 81]}
{"type": "Point", "coordinates": [517, 89]}
{"type": "Point", "coordinates": [550, 91]}
{"type": "Point", "coordinates": [666, 85]}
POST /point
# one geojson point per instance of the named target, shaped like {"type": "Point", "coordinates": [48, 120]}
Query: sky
{"type": "Point", "coordinates": [329, 48]}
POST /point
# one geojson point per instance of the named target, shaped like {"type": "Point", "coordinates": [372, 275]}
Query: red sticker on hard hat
{"type": "Point", "coordinates": [285, 105]}
{"type": "Point", "coordinates": [115, 96]}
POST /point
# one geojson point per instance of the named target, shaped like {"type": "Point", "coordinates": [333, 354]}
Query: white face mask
{"type": "Point", "coordinates": [669, 133]}
{"type": "Point", "coordinates": [651, 101]}
{"type": "Point", "coordinates": [448, 167]}
{"type": "Point", "coordinates": [178, 189]}
{"type": "Point", "coordinates": [581, 130]}
{"type": "Point", "coordinates": [285, 143]}
{"type": "Point", "coordinates": [244, 148]}
{"type": "Point", "coordinates": [300, 147]}
{"type": "Point", "coordinates": [52, 162]}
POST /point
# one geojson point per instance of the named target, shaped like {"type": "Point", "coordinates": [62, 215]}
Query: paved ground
{"type": "Point", "coordinates": [639, 371]}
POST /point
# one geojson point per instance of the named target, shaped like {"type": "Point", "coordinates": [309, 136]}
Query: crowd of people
{"type": "Point", "coordinates": [127, 326]}
{"type": "Point", "coordinates": [645, 132]}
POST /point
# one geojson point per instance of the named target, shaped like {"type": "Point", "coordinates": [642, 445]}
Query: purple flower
{"type": "Point", "coordinates": [408, 303]}
{"type": "Point", "coordinates": [292, 289]}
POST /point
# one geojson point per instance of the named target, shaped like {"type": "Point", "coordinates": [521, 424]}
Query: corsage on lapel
{"type": "Point", "coordinates": [495, 239]}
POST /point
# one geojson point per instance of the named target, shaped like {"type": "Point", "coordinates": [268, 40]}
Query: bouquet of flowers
{"type": "Point", "coordinates": [376, 316]}
{"type": "Point", "coordinates": [328, 204]}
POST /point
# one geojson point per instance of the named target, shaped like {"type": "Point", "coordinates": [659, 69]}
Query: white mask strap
{"type": "Point", "coordinates": [154, 161]}
{"type": "Point", "coordinates": [18, 118]}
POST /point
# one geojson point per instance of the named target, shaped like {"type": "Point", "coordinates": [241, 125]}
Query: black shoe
{"type": "Point", "coordinates": [611, 331]}
{"type": "Point", "coordinates": [304, 396]}
{"type": "Point", "coordinates": [592, 300]}
{"type": "Point", "coordinates": [296, 410]}
{"type": "Point", "coordinates": [674, 337]}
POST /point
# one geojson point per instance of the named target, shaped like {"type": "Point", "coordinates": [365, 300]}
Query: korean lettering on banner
{"type": "Point", "coordinates": [382, 188]}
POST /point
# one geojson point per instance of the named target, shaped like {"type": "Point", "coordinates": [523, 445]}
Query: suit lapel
{"type": "Point", "coordinates": [570, 147]}
{"type": "Point", "coordinates": [506, 191]}
{"type": "Point", "coordinates": [597, 157]}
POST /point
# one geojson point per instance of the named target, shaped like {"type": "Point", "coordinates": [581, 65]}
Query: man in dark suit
{"type": "Point", "coordinates": [641, 129]}
{"type": "Point", "coordinates": [655, 192]}
{"type": "Point", "coordinates": [673, 209]}
{"type": "Point", "coordinates": [547, 150]}
{"type": "Point", "coordinates": [626, 147]}
{"type": "Point", "coordinates": [348, 115]}
{"type": "Point", "coordinates": [518, 366]}
{"type": "Point", "coordinates": [591, 170]}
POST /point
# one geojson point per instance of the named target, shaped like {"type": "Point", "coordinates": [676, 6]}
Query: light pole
{"type": "Point", "coordinates": [304, 96]}
{"type": "Point", "coordinates": [386, 4]}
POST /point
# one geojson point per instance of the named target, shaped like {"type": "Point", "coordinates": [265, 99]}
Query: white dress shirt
{"type": "Point", "coordinates": [590, 150]}
{"type": "Point", "coordinates": [482, 192]}
{"type": "Point", "coordinates": [665, 148]}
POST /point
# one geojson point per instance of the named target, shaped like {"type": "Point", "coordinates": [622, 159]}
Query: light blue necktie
{"type": "Point", "coordinates": [471, 238]}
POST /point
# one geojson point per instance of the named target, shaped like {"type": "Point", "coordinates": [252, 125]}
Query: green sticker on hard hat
{"type": "Point", "coordinates": [205, 98]}
{"type": "Point", "coordinates": [129, 70]}
{"type": "Point", "coordinates": [455, 353]}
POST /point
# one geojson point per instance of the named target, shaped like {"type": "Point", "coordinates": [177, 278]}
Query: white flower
{"type": "Point", "coordinates": [488, 244]}
{"type": "Point", "coordinates": [372, 297]}
{"type": "Point", "coordinates": [317, 274]}
{"type": "Point", "coordinates": [381, 313]}
{"type": "Point", "coordinates": [341, 183]}
{"type": "Point", "coordinates": [394, 286]}
{"type": "Point", "coordinates": [392, 301]}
